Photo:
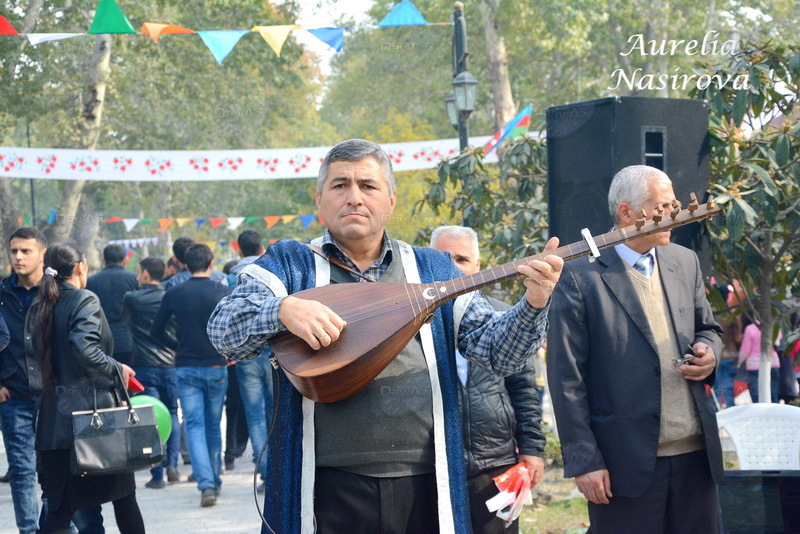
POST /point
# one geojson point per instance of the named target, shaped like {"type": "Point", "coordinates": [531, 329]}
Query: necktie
{"type": "Point", "coordinates": [644, 264]}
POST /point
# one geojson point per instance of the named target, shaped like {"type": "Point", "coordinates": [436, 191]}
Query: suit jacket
{"type": "Point", "coordinates": [604, 371]}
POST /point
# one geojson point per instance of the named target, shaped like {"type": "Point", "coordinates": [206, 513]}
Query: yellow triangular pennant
{"type": "Point", "coordinates": [275, 36]}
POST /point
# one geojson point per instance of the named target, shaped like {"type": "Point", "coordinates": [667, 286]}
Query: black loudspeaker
{"type": "Point", "coordinates": [588, 142]}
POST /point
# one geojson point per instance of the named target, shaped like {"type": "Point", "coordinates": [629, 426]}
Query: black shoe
{"type": "Point", "coordinates": [172, 474]}
{"type": "Point", "coordinates": [155, 484]}
{"type": "Point", "coordinates": [5, 478]}
{"type": "Point", "coordinates": [229, 464]}
{"type": "Point", "coordinates": [191, 478]}
{"type": "Point", "coordinates": [208, 497]}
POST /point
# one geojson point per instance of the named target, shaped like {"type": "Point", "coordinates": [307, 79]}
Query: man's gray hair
{"type": "Point", "coordinates": [357, 150]}
{"type": "Point", "coordinates": [456, 231]}
{"type": "Point", "coordinates": [631, 186]}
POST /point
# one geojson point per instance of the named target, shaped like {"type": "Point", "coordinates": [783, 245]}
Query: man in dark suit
{"type": "Point", "coordinates": [636, 431]}
{"type": "Point", "coordinates": [110, 285]}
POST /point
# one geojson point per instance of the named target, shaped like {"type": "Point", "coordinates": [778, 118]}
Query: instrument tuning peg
{"type": "Point", "coordinates": [676, 208]}
{"type": "Point", "coordinates": [659, 215]}
{"type": "Point", "coordinates": [641, 220]}
{"type": "Point", "coordinates": [693, 205]}
{"type": "Point", "coordinates": [710, 204]}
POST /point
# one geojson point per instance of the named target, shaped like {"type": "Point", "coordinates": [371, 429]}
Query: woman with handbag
{"type": "Point", "coordinates": [72, 340]}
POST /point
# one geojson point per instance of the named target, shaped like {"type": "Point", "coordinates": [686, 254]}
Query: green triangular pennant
{"type": "Point", "coordinates": [109, 18]}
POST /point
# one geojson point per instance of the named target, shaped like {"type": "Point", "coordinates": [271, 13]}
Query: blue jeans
{"type": "Point", "coordinates": [162, 383]}
{"type": "Point", "coordinates": [19, 418]}
{"type": "Point", "coordinates": [752, 384]}
{"type": "Point", "coordinates": [255, 386]}
{"type": "Point", "coordinates": [723, 385]}
{"type": "Point", "coordinates": [202, 394]}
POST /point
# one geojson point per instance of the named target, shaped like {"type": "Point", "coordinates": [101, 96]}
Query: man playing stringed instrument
{"type": "Point", "coordinates": [389, 458]}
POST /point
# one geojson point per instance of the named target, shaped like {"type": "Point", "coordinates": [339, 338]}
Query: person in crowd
{"type": "Point", "coordinates": [72, 341]}
{"type": "Point", "coordinates": [171, 269]}
{"type": "Point", "coordinates": [179, 248]}
{"type": "Point", "coordinates": [201, 370]}
{"type": "Point", "coordinates": [254, 376]}
{"type": "Point", "coordinates": [392, 454]}
{"type": "Point", "coordinates": [731, 340]}
{"type": "Point", "coordinates": [236, 433]}
{"type": "Point", "coordinates": [499, 415]}
{"type": "Point", "coordinates": [110, 285]}
{"type": "Point", "coordinates": [750, 354]}
{"type": "Point", "coordinates": [636, 430]}
{"type": "Point", "coordinates": [20, 375]}
{"type": "Point", "coordinates": [154, 362]}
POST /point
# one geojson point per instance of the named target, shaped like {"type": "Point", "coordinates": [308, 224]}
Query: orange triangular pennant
{"type": "Point", "coordinates": [165, 224]}
{"type": "Point", "coordinates": [272, 220]}
{"type": "Point", "coordinates": [155, 29]}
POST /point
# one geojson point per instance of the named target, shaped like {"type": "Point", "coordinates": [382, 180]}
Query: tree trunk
{"type": "Point", "coordinates": [498, 65]}
{"type": "Point", "coordinates": [8, 214]}
{"type": "Point", "coordinates": [91, 119]}
{"type": "Point", "coordinates": [767, 320]}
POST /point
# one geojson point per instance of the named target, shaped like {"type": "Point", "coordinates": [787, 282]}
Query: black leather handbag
{"type": "Point", "coordinates": [110, 441]}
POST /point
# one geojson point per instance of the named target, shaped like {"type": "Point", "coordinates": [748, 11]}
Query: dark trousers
{"type": "Point", "coordinates": [356, 504]}
{"type": "Point", "coordinates": [681, 499]}
{"type": "Point", "coordinates": [482, 488]}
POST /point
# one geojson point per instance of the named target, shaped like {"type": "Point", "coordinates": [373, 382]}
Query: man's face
{"type": "Point", "coordinates": [461, 250]}
{"type": "Point", "coordinates": [661, 195]}
{"type": "Point", "coordinates": [27, 256]}
{"type": "Point", "coordinates": [355, 202]}
{"type": "Point", "coordinates": [142, 277]}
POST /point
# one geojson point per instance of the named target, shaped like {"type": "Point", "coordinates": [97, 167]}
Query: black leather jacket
{"type": "Point", "coordinates": [19, 369]}
{"type": "Point", "coordinates": [139, 308]}
{"type": "Point", "coordinates": [498, 415]}
{"type": "Point", "coordinates": [82, 367]}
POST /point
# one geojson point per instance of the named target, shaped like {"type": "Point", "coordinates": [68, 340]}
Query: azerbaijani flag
{"type": "Point", "coordinates": [516, 127]}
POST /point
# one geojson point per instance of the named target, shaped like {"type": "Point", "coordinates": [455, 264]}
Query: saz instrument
{"type": "Point", "coordinates": [383, 317]}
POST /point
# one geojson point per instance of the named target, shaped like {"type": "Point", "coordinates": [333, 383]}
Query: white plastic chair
{"type": "Point", "coordinates": [766, 436]}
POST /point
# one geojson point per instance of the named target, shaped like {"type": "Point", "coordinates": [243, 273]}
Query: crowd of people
{"type": "Point", "coordinates": [416, 449]}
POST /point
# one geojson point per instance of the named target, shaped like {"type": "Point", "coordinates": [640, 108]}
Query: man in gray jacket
{"type": "Point", "coordinates": [499, 415]}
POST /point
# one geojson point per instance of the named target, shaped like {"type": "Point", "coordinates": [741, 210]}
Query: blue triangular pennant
{"type": "Point", "coordinates": [198, 222]}
{"type": "Point", "coordinates": [221, 42]}
{"type": "Point", "coordinates": [333, 37]}
{"type": "Point", "coordinates": [404, 14]}
{"type": "Point", "coordinates": [307, 220]}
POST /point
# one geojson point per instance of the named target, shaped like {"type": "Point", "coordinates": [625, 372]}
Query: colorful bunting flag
{"type": "Point", "coordinates": [272, 220]}
{"type": "Point", "coordinates": [235, 246]}
{"type": "Point", "coordinates": [333, 37]}
{"type": "Point", "coordinates": [183, 220]}
{"type": "Point", "coordinates": [216, 221]}
{"type": "Point", "coordinates": [114, 219]}
{"type": "Point", "coordinates": [234, 222]}
{"type": "Point", "coordinates": [221, 42]}
{"type": "Point", "coordinates": [275, 36]}
{"type": "Point", "coordinates": [518, 126]}
{"type": "Point", "coordinates": [39, 38]}
{"type": "Point", "coordinates": [307, 220]}
{"type": "Point", "coordinates": [130, 224]}
{"type": "Point", "coordinates": [109, 18]}
{"type": "Point", "coordinates": [288, 218]}
{"type": "Point", "coordinates": [165, 224]}
{"type": "Point", "coordinates": [6, 28]}
{"type": "Point", "coordinates": [199, 222]}
{"type": "Point", "coordinates": [52, 218]}
{"type": "Point", "coordinates": [404, 14]}
{"type": "Point", "coordinates": [155, 30]}
{"type": "Point", "coordinates": [252, 219]}
{"type": "Point", "coordinates": [146, 221]}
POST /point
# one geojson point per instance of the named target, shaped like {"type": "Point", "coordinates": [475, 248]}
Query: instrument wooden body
{"type": "Point", "coordinates": [383, 317]}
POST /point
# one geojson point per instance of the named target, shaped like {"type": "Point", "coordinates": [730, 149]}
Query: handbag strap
{"type": "Point", "coordinates": [133, 417]}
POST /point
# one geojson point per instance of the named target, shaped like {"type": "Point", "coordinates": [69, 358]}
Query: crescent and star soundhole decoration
{"type": "Point", "coordinates": [383, 317]}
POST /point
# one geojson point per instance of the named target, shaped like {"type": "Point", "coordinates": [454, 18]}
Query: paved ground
{"type": "Point", "coordinates": [176, 508]}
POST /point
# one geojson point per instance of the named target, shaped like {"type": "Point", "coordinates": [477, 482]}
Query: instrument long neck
{"type": "Point", "coordinates": [500, 273]}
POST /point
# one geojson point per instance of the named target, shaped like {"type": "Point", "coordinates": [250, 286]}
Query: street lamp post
{"type": "Point", "coordinates": [461, 101]}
